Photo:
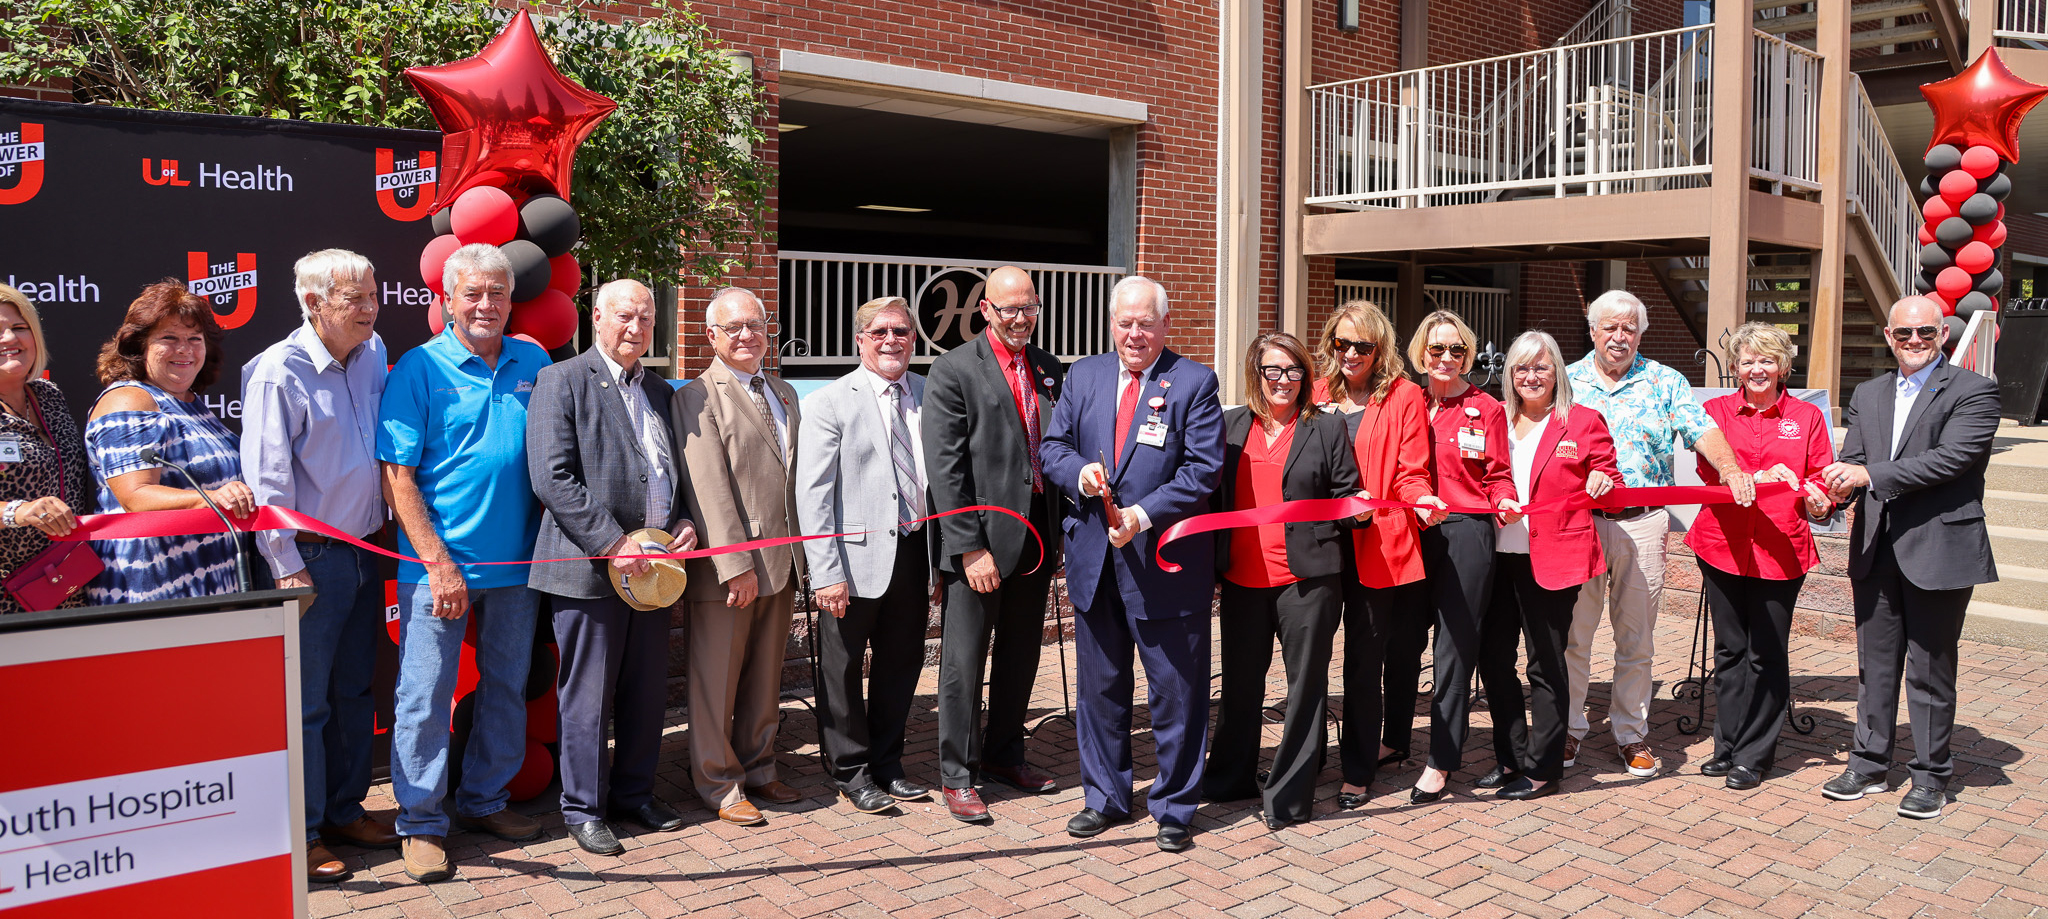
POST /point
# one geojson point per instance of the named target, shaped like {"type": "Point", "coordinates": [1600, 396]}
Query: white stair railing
{"type": "Point", "coordinates": [1881, 195]}
{"type": "Point", "coordinates": [1484, 309]}
{"type": "Point", "coordinates": [1785, 133]}
{"type": "Point", "coordinates": [2024, 20]}
{"type": "Point", "coordinates": [1977, 350]}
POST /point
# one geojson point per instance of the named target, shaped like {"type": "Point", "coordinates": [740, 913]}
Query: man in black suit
{"type": "Point", "coordinates": [1918, 442]}
{"type": "Point", "coordinates": [985, 406]}
{"type": "Point", "coordinates": [605, 462]}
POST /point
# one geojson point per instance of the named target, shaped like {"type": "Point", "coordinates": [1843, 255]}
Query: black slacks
{"type": "Point", "coordinates": [614, 674]}
{"type": "Point", "coordinates": [1370, 614]}
{"type": "Point", "coordinates": [1304, 615]}
{"type": "Point", "coordinates": [1901, 627]}
{"type": "Point", "coordinates": [1458, 556]}
{"type": "Point", "coordinates": [1752, 663]}
{"type": "Point", "coordinates": [863, 732]}
{"type": "Point", "coordinates": [1544, 618]}
{"type": "Point", "coordinates": [1408, 619]}
{"type": "Point", "coordinates": [1014, 614]}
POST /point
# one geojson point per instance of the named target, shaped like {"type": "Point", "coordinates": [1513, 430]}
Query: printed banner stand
{"type": "Point", "coordinates": [153, 764]}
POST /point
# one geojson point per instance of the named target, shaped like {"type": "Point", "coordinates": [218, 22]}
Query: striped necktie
{"type": "Point", "coordinates": [909, 484]}
{"type": "Point", "coordinates": [761, 403]}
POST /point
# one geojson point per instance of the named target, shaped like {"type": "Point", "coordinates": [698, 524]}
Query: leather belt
{"type": "Point", "coordinates": [1625, 513]}
{"type": "Point", "coordinates": [316, 539]}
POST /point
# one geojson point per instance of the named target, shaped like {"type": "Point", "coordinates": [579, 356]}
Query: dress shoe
{"type": "Point", "coordinates": [1417, 796]}
{"type": "Point", "coordinates": [1525, 789]}
{"type": "Point", "coordinates": [1639, 761]}
{"type": "Point", "coordinates": [1091, 822]}
{"type": "Point", "coordinates": [1397, 756]}
{"type": "Point", "coordinates": [1717, 767]}
{"type": "Point", "coordinates": [774, 793]}
{"type": "Point", "coordinates": [743, 813]}
{"type": "Point", "coordinates": [322, 867]}
{"type": "Point", "coordinates": [868, 799]}
{"type": "Point", "coordinates": [426, 860]}
{"type": "Point", "coordinates": [1021, 777]}
{"type": "Point", "coordinates": [1500, 776]}
{"type": "Point", "coordinates": [1571, 751]}
{"type": "Point", "coordinates": [1174, 838]}
{"type": "Point", "coordinates": [1743, 778]}
{"type": "Point", "coordinates": [965, 805]}
{"type": "Point", "coordinates": [903, 789]}
{"type": "Point", "coordinates": [653, 815]}
{"type": "Point", "coordinates": [596, 838]}
{"type": "Point", "coordinates": [364, 832]}
{"type": "Point", "coordinates": [1922, 803]}
{"type": "Point", "coordinates": [1352, 800]}
{"type": "Point", "coordinates": [505, 824]}
{"type": "Point", "coordinates": [1849, 786]}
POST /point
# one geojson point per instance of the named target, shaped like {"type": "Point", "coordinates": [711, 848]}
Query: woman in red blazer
{"type": "Point", "coordinates": [1557, 450]}
{"type": "Point", "coordinates": [1386, 619]}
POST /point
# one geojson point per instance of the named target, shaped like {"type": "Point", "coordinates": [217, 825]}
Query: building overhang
{"type": "Point", "coordinates": [857, 83]}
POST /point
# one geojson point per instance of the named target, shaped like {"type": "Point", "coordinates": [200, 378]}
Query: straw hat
{"type": "Point", "coordinates": [657, 589]}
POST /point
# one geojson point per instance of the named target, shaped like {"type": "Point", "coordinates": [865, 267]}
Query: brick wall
{"type": "Point", "coordinates": [1554, 298]}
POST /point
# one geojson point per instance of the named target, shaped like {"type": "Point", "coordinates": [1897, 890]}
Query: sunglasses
{"type": "Point", "coordinates": [1457, 351]}
{"type": "Point", "coordinates": [887, 331]}
{"type": "Point", "coordinates": [1926, 332]}
{"type": "Point", "coordinates": [1364, 348]}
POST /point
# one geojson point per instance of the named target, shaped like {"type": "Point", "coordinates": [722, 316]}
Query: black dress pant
{"type": "Point", "coordinates": [1457, 554]}
{"type": "Point", "coordinates": [1369, 617]}
{"type": "Point", "coordinates": [1014, 614]}
{"type": "Point", "coordinates": [1408, 619]}
{"type": "Point", "coordinates": [1903, 627]}
{"type": "Point", "coordinates": [614, 674]}
{"type": "Point", "coordinates": [1544, 618]}
{"type": "Point", "coordinates": [1752, 663]}
{"type": "Point", "coordinates": [1304, 615]}
{"type": "Point", "coordinates": [863, 732]}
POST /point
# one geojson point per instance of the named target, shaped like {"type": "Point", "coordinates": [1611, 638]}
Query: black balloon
{"type": "Point", "coordinates": [1923, 283]}
{"type": "Point", "coordinates": [1943, 157]}
{"type": "Point", "coordinates": [1953, 232]}
{"type": "Point", "coordinates": [1934, 258]}
{"type": "Point", "coordinates": [1990, 282]}
{"type": "Point", "coordinates": [1927, 187]}
{"type": "Point", "coordinates": [1970, 304]}
{"type": "Point", "coordinates": [1979, 210]}
{"type": "Point", "coordinates": [530, 271]}
{"type": "Point", "coordinates": [443, 221]}
{"type": "Point", "coordinates": [551, 223]}
{"type": "Point", "coordinates": [1956, 324]}
{"type": "Point", "coordinates": [1998, 186]}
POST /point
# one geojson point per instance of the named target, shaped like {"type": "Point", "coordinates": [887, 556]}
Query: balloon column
{"type": "Point", "coordinates": [511, 124]}
{"type": "Point", "coordinates": [1977, 116]}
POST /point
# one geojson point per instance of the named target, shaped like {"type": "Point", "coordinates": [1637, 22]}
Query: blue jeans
{"type": "Point", "coordinates": [428, 651]}
{"type": "Point", "coordinates": [337, 656]}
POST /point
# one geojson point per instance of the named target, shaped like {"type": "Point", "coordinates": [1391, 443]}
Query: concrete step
{"type": "Point", "coordinates": [2019, 546]}
{"type": "Point", "coordinates": [2026, 478]}
{"type": "Point", "coordinates": [2023, 509]}
{"type": "Point", "coordinates": [2017, 586]}
{"type": "Point", "coordinates": [2008, 626]}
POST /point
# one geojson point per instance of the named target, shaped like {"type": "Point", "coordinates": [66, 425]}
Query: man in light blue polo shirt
{"type": "Point", "coordinates": [452, 439]}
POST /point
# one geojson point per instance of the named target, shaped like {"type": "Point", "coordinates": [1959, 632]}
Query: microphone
{"type": "Point", "coordinates": [150, 456]}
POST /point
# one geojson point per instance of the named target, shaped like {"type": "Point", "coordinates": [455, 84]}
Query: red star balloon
{"type": "Point", "coordinates": [1982, 105]}
{"type": "Point", "coordinates": [508, 115]}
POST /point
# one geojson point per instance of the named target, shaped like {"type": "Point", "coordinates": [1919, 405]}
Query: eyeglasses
{"type": "Point", "coordinates": [1275, 373]}
{"type": "Point", "coordinates": [886, 332]}
{"type": "Point", "coordinates": [733, 329]}
{"type": "Point", "coordinates": [1457, 351]}
{"type": "Point", "coordinates": [1364, 348]}
{"type": "Point", "coordinates": [1533, 370]}
{"type": "Point", "coordinates": [1926, 332]}
{"type": "Point", "coordinates": [1012, 312]}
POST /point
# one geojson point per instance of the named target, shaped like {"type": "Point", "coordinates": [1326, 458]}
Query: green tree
{"type": "Point", "coordinates": [668, 185]}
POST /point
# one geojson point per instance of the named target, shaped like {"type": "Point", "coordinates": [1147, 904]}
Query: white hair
{"type": "Point", "coordinates": [1529, 347]}
{"type": "Point", "coordinates": [731, 293]}
{"type": "Point", "coordinates": [616, 291]}
{"type": "Point", "coordinates": [1135, 281]}
{"type": "Point", "coordinates": [316, 274]}
{"type": "Point", "coordinates": [475, 258]}
{"type": "Point", "coordinates": [1615, 301]}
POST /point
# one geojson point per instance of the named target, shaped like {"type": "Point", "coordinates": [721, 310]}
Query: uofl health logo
{"type": "Point", "coordinates": [167, 172]}
{"type": "Point", "coordinates": [162, 172]}
{"type": "Point", "coordinates": [405, 188]}
{"type": "Point", "coordinates": [230, 284]}
{"type": "Point", "coordinates": [21, 160]}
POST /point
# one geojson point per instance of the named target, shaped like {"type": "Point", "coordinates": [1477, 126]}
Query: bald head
{"type": "Point", "coordinates": [1009, 290]}
{"type": "Point", "coordinates": [1921, 319]}
{"type": "Point", "coordinates": [1006, 283]}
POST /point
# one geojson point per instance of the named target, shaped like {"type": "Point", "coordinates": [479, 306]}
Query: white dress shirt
{"type": "Point", "coordinates": [774, 403]}
{"type": "Point", "coordinates": [912, 412]}
{"type": "Point", "coordinates": [654, 442]}
{"type": "Point", "coordinates": [1902, 403]}
{"type": "Point", "coordinates": [1514, 537]}
{"type": "Point", "coordinates": [1123, 378]}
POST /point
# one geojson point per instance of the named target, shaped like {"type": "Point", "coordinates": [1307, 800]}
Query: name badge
{"type": "Point", "coordinates": [1472, 443]}
{"type": "Point", "coordinates": [523, 386]}
{"type": "Point", "coordinates": [1567, 450]}
{"type": "Point", "coordinates": [1153, 435]}
{"type": "Point", "coordinates": [10, 448]}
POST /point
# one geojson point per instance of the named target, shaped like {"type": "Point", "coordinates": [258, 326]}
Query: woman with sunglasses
{"type": "Point", "coordinates": [1283, 579]}
{"type": "Point", "coordinates": [1468, 459]}
{"type": "Point", "coordinates": [1386, 621]}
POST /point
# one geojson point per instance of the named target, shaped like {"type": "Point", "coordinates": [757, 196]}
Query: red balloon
{"type": "Point", "coordinates": [434, 257]}
{"type": "Point", "coordinates": [1980, 162]}
{"type": "Point", "coordinates": [535, 773]}
{"type": "Point", "coordinates": [1983, 105]}
{"type": "Point", "coordinates": [1952, 283]}
{"type": "Point", "coordinates": [1958, 186]}
{"type": "Point", "coordinates": [437, 315]}
{"type": "Point", "coordinates": [508, 116]}
{"type": "Point", "coordinates": [567, 275]}
{"type": "Point", "coordinates": [1927, 234]}
{"type": "Point", "coordinates": [1947, 309]}
{"type": "Point", "coordinates": [549, 318]}
{"type": "Point", "coordinates": [1975, 257]}
{"type": "Point", "coordinates": [1991, 234]}
{"type": "Point", "coordinates": [2000, 216]}
{"type": "Point", "coordinates": [485, 215]}
{"type": "Point", "coordinates": [1937, 209]}
{"type": "Point", "coordinates": [543, 717]}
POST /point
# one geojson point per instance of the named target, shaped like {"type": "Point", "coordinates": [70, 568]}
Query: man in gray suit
{"type": "Point", "coordinates": [605, 462]}
{"type": "Point", "coordinates": [1917, 446]}
{"type": "Point", "coordinates": [862, 468]}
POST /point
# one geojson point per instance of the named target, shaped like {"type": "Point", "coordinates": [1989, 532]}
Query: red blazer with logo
{"type": "Point", "coordinates": [1564, 549]}
{"type": "Point", "coordinates": [1390, 440]}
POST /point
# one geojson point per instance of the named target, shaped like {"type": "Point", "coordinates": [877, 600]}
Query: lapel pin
{"type": "Point", "coordinates": [1157, 403]}
{"type": "Point", "coordinates": [1165, 384]}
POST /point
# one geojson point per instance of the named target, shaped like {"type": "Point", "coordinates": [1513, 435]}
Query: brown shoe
{"type": "Point", "coordinates": [505, 824]}
{"type": "Point", "coordinates": [425, 859]}
{"type": "Point", "coordinates": [965, 805]}
{"type": "Point", "coordinates": [365, 832]}
{"type": "Point", "coordinates": [742, 814]}
{"type": "Point", "coordinates": [1021, 777]}
{"type": "Point", "coordinates": [1640, 761]}
{"type": "Point", "coordinates": [322, 867]}
{"type": "Point", "coordinates": [774, 793]}
{"type": "Point", "coordinates": [1571, 751]}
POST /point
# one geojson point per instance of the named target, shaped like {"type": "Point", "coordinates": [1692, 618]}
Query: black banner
{"type": "Point", "coordinates": [98, 202]}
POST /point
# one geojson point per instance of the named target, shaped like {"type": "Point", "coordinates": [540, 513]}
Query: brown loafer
{"type": "Point", "coordinates": [774, 793]}
{"type": "Point", "coordinates": [322, 867]}
{"type": "Point", "coordinates": [743, 813]}
{"type": "Point", "coordinates": [1021, 777]}
{"type": "Point", "coordinates": [425, 859]}
{"type": "Point", "coordinates": [505, 824]}
{"type": "Point", "coordinates": [364, 832]}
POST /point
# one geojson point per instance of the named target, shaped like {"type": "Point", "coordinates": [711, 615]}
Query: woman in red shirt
{"type": "Point", "coordinates": [1754, 559]}
{"type": "Point", "coordinates": [1557, 450]}
{"type": "Point", "coordinates": [1283, 579]}
{"type": "Point", "coordinates": [1469, 461]}
{"type": "Point", "coordinates": [1386, 625]}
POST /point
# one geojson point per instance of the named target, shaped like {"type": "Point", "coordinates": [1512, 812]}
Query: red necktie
{"type": "Point", "coordinates": [1027, 399]}
{"type": "Point", "coordinates": [1126, 410]}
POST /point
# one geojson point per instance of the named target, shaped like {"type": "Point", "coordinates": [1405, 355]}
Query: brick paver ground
{"type": "Point", "coordinates": [1611, 845]}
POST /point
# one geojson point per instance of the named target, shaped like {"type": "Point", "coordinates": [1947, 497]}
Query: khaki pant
{"type": "Point", "coordinates": [735, 693]}
{"type": "Point", "coordinates": [1629, 592]}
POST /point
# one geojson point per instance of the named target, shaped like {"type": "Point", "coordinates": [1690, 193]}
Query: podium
{"type": "Point", "coordinates": [153, 764]}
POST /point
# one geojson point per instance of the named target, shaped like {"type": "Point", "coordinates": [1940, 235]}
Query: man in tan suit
{"type": "Point", "coordinates": [739, 428]}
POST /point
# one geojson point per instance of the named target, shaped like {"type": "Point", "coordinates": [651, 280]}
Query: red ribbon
{"type": "Point", "coordinates": [203, 522]}
{"type": "Point", "coordinates": [1318, 510]}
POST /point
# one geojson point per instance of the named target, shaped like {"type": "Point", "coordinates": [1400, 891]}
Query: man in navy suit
{"type": "Point", "coordinates": [1154, 417]}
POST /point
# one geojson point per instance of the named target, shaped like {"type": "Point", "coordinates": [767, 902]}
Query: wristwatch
{"type": "Point", "coordinates": [7, 516]}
